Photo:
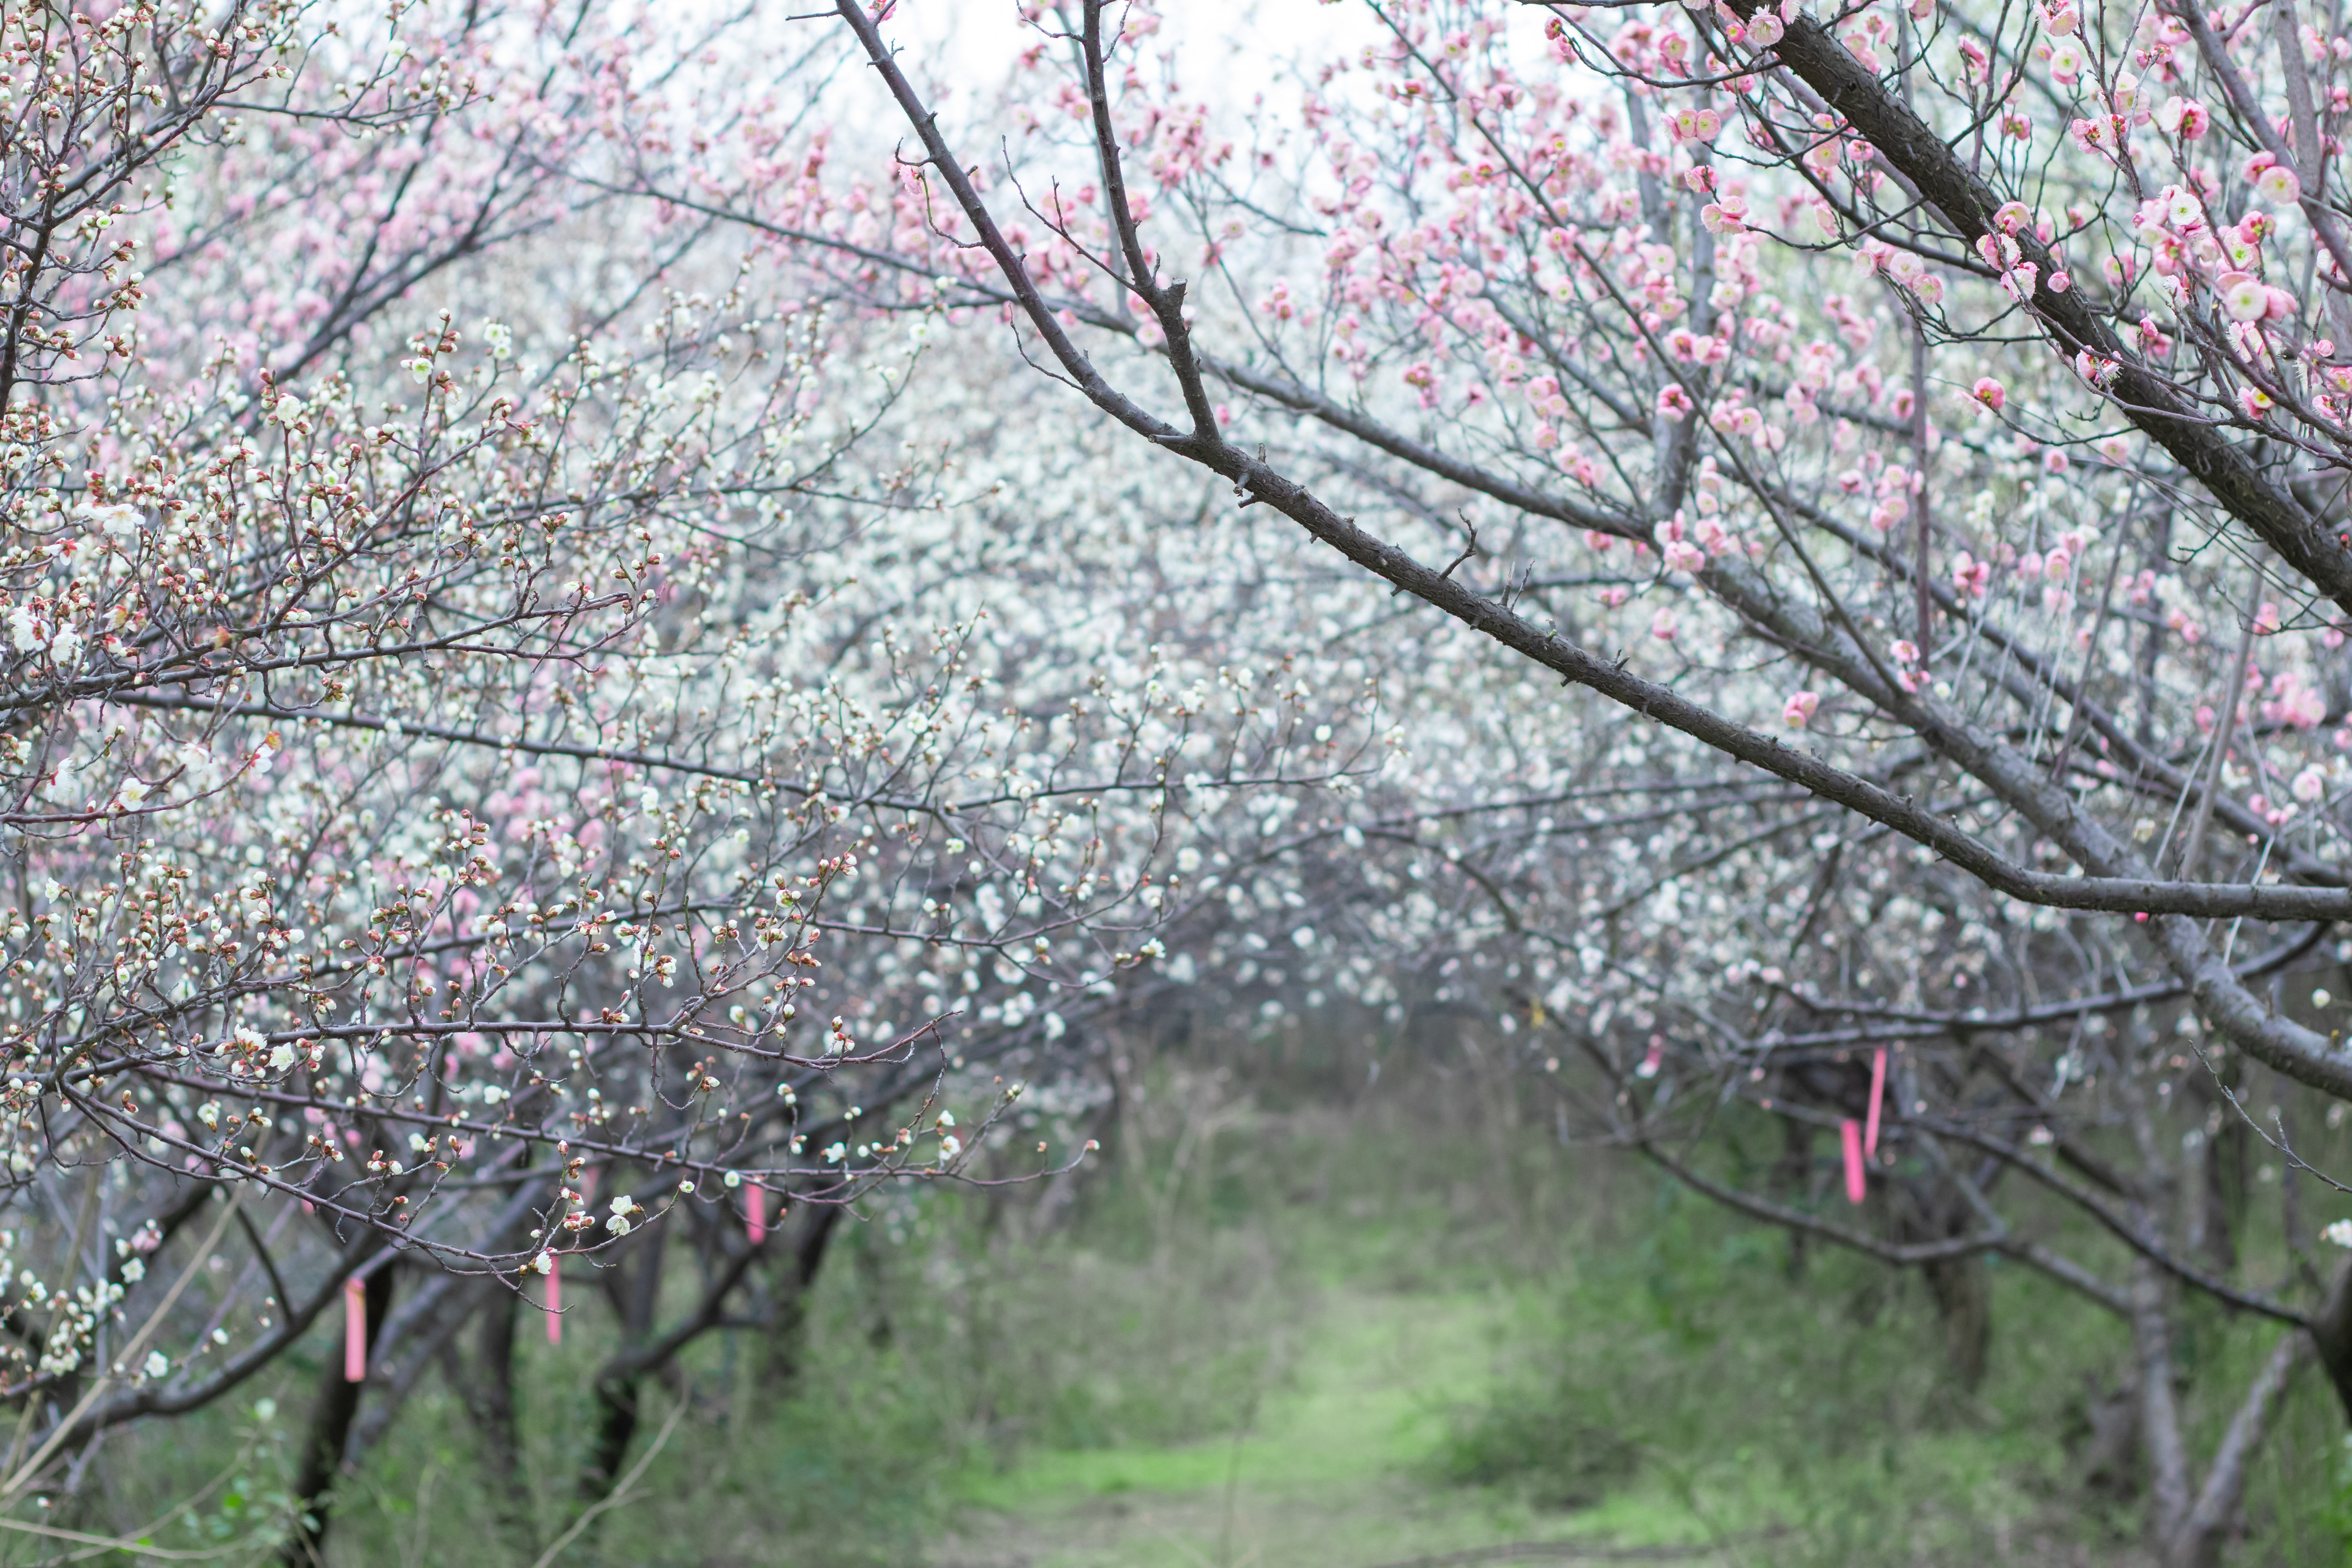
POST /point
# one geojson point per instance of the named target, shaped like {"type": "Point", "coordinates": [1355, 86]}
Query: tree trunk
{"type": "Point", "coordinates": [330, 1426]}
{"type": "Point", "coordinates": [637, 1294]}
{"type": "Point", "coordinates": [617, 1425]}
{"type": "Point", "coordinates": [1934, 1210]}
{"type": "Point", "coordinates": [2197, 1540]}
{"type": "Point", "coordinates": [489, 1395]}
{"type": "Point", "coordinates": [1790, 1175]}
{"type": "Point", "coordinates": [2331, 1337]}
{"type": "Point", "coordinates": [1962, 1287]}
{"type": "Point", "coordinates": [780, 1360]}
{"type": "Point", "coordinates": [2159, 1417]}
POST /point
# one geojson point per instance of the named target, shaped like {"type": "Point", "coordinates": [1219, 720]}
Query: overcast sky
{"type": "Point", "coordinates": [1224, 47]}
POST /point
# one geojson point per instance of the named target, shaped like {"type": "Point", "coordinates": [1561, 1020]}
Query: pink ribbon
{"type": "Point", "coordinates": [354, 1332]}
{"type": "Point", "coordinates": [1877, 1092]}
{"type": "Point", "coordinates": [1850, 1134]}
{"type": "Point", "coordinates": [755, 1213]}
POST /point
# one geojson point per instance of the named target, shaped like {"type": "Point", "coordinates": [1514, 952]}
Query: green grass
{"type": "Point", "coordinates": [1319, 1343]}
{"type": "Point", "coordinates": [1338, 1468]}
{"type": "Point", "coordinates": [1673, 1389]}
{"type": "Point", "coordinates": [1371, 1397]}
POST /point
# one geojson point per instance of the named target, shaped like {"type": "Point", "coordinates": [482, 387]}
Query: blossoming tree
{"type": "Point", "coordinates": [480, 798]}
{"type": "Point", "coordinates": [1926, 423]}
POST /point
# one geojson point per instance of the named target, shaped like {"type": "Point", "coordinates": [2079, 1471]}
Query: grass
{"type": "Point", "coordinates": [1659, 1381]}
{"type": "Point", "coordinates": [1319, 1340]}
{"type": "Point", "coordinates": [1340, 1468]}
{"type": "Point", "coordinates": [1417, 1425]}
{"type": "Point", "coordinates": [1368, 1398]}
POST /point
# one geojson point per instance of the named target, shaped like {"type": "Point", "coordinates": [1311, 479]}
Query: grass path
{"type": "Point", "coordinates": [1333, 1473]}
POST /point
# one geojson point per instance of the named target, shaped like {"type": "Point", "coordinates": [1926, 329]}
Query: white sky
{"type": "Point", "coordinates": [1225, 49]}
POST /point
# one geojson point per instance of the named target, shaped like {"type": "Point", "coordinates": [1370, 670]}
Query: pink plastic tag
{"type": "Point", "coordinates": [1877, 1093]}
{"type": "Point", "coordinates": [555, 1304]}
{"type": "Point", "coordinates": [354, 1332]}
{"type": "Point", "coordinates": [1850, 1134]}
{"type": "Point", "coordinates": [755, 1213]}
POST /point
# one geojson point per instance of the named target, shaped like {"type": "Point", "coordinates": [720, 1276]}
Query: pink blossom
{"type": "Point", "coordinates": [2278, 185]}
{"type": "Point", "coordinates": [1990, 392]}
{"type": "Point", "coordinates": [2184, 117]}
{"type": "Point", "coordinates": [1799, 711]}
{"type": "Point", "coordinates": [2087, 135]}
